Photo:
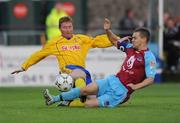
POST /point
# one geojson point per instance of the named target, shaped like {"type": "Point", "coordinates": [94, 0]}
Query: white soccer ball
{"type": "Point", "coordinates": [64, 82]}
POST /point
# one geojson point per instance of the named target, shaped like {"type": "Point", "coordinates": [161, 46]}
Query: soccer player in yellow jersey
{"type": "Point", "coordinates": [71, 51]}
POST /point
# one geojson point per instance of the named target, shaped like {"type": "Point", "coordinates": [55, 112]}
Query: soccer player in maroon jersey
{"type": "Point", "coordinates": [137, 71]}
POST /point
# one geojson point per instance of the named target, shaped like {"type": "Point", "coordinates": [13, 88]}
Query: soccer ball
{"type": "Point", "coordinates": [64, 82]}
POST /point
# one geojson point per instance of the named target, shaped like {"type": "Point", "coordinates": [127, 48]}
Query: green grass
{"type": "Point", "coordinates": [159, 103]}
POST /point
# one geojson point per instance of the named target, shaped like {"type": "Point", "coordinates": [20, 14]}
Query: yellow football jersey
{"type": "Point", "coordinates": [68, 52]}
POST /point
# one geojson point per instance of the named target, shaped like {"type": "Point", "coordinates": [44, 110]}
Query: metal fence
{"type": "Point", "coordinates": [23, 37]}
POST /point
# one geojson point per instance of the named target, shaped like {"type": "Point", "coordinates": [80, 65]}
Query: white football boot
{"type": "Point", "coordinates": [48, 97]}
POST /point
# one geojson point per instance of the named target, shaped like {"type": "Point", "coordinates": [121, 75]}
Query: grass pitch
{"type": "Point", "coordinates": [159, 103]}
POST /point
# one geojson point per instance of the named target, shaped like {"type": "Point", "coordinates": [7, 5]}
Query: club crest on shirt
{"type": "Point", "coordinates": [130, 62]}
{"type": "Point", "coordinates": [152, 64]}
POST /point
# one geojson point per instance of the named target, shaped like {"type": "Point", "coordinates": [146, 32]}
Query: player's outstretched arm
{"type": "Point", "coordinates": [18, 71]}
{"type": "Point", "coordinates": [112, 37]}
{"type": "Point", "coordinates": [146, 82]}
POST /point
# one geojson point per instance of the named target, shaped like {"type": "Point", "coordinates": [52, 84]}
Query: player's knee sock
{"type": "Point", "coordinates": [57, 98]}
{"type": "Point", "coordinates": [76, 103]}
{"type": "Point", "coordinates": [80, 83]}
{"type": "Point", "coordinates": [70, 95]}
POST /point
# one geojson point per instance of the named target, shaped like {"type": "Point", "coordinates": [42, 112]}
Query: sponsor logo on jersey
{"type": "Point", "coordinates": [70, 47]}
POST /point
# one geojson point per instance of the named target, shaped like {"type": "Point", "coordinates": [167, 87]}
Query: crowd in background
{"type": "Point", "coordinates": [171, 43]}
{"type": "Point", "coordinates": [171, 37]}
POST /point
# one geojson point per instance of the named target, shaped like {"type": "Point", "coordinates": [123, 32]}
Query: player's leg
{"type": "Point", "coordinates": [79, 81]}
{"type": "Point", "coordinates": [94, 88]}
{"type": "Point", "coordinates": [101, 87]}
{"type": "Point", "coordinates": [79, 77]}
{"type": "Point", "coordinates": [111, 92]}
{"type": "Point", "coordinates": [63, 96]}
{"type": "Point", "coordinates": [101, 101]}
{"type": "Point", "coordinates": [91, 89]}
{"type": "Point", "coordinates": [93, 102]}
{"type": "Point", "coordinates": [74, 93]}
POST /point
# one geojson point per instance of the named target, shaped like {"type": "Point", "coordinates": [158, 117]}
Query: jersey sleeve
{"type": "Point", "coordinates": [36, 57]}
{"type": "Point", "coordinates": [150, 64]}
{"type": "Point", "coordinates": [101, 41]}
{"type": "Point", "coordinates": [122, 45]}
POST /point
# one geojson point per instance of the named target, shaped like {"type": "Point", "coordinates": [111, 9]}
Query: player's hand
{"type": "Point", "coordinates": [126, 39]}
{"type": "Point", "coordinates": [107, 24]}
{"type": "Point", "coordinates": [132, 86]}
{"type": "Point", "coordinates": [18, 71]}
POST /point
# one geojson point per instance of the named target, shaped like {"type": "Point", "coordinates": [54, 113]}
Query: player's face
{"type": "Point", "coordinates": [137, 40]}
{"type": "Point", "coordinates": [67, 29]}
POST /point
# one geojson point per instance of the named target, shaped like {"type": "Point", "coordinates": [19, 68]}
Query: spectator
{"type": "Point", "coordinates": [127, 23]}
{"type": "Point", "coordinates": [171, 44]}
{"type": "Point", "coordinates": [52, 20]}
{"type": "Point", "coordinates": [166, 16]}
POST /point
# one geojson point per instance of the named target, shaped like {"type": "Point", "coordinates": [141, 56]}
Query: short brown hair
{"type": "Point", "coordinates": [144, 32]}
{"type": "Point", "coordinates": [64, 19]}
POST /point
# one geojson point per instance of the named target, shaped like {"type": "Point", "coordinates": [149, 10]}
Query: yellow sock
{"type": "Point", "coordinates": [80, 83]}
{"type": "Point", "coordinates": [76, 103]}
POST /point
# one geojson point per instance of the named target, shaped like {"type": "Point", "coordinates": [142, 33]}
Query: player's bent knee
{"type": "Point", "coordinates": [84, 91]}
{"type": "Point", "coordinates": [77, 73]}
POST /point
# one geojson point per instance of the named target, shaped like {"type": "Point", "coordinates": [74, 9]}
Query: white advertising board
{"type": "Point", "coordinates": [100, 62]}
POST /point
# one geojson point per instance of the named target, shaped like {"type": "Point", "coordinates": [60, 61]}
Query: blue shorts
{"type": "Point", "coordinates": [88, 75]}
{"type": "Point", "coordinates": [111, 91]}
